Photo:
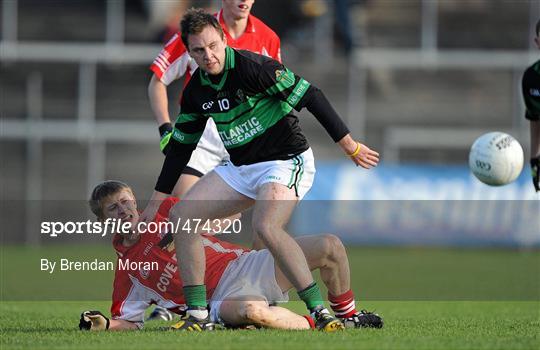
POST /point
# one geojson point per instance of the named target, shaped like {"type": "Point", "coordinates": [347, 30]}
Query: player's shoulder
{"type": "Point", "coordinates": [175, 40]}
{"type": "Point", "coordinates": [256, 60]}
{"type": "Point", "coordinates": [262, 29]}
{"type": "Point", "coordinates": [173, 49]}
{"type": "Point", "coordinates": [533, 71]}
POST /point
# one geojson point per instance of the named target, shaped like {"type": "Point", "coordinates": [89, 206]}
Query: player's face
{"type": "Point", "coordinates": [537, 42]}
{"type": "Point", "coordinates": [238, 9]}
{"type": "Point", "coordinates": [121, 206]}
{"type": "Point", "coordinates": [208, 50]}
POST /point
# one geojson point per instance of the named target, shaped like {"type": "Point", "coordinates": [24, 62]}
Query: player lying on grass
{"type": "Point", "coordinates": [241, 282]}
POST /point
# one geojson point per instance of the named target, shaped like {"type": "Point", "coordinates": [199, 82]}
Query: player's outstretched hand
{"type": "Point", "coordinates": [93, 321]}
{"type": "Point", "coordinates": [364, 156]}
{"type": "Point", "coordinates": [152, 208]}
{"type": "Point", "coordinates": [359, 153]}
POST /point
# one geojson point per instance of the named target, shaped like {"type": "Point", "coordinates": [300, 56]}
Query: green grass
{"type": "Point", "coordinates": [430, 299]}
{"type": "Point", "coordinates": [409, 325]}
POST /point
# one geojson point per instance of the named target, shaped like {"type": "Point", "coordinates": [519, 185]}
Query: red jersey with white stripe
{"type": "Point", "coordinates": [173, 61]}
{"type": "Point", "coordinates": [135, 290]}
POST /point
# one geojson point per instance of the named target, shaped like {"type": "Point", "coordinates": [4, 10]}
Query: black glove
{"type": "Point", "coordinates": [93, 321]}
{"type": "Point", "coordinates": [534, 172]}
{"type": "Point", "coordinates": [165, 133]}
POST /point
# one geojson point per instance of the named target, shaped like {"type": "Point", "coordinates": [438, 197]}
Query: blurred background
{"type": "Point", "coordinates": [417, 80]}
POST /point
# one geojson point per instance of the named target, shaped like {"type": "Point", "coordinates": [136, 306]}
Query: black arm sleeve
{"type": "Point", "coordinates": [531, 92]}
{"type": "Point", "coordinates": [317, 103]}
{"type": "Point", "coordinates": [176, 160]}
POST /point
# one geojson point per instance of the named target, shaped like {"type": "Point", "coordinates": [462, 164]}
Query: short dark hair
{"type": "Point", "coordinates": [194, 22]}
{"type": "Point", "coordinates": [538, 28]}
{"type": "Point", "coordinates": [103, 190]}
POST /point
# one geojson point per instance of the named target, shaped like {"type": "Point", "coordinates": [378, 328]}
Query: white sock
{"type": "Point", "coordinates": [198, 314]}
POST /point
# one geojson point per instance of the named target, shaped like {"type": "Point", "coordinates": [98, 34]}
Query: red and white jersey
{"type": "Point", "coordinates": [135, 290]}
{"type": "Point", "coordinates": [173, 61]}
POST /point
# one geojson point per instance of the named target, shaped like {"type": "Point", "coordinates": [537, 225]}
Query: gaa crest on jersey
{"type": "Point", "coordinates": [144, 273]}
{"type": "Point", "coordinates": [282, 75]}
{"type": "Point", "coordinates": [240, 96]}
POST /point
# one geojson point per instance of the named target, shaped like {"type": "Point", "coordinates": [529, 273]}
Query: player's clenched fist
{"type": "Point", "coordinates": [93, 321]}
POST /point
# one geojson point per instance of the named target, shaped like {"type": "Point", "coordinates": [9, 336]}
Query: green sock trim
{"type": "Point", "coordinates": [311, 296]}
{"type": "Point", "coordinates": [195, 295]}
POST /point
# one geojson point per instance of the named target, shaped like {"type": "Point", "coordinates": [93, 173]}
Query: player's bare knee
{"type": "Point", "coordinates": [264, 229]}
{"type": "Point", "coordinates": [333, 247]}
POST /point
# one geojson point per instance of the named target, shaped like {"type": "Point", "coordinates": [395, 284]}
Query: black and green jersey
{"type": "Point", "coordinates": [251, 103]}
{"type": "Point", "coordinates": [531, 91]}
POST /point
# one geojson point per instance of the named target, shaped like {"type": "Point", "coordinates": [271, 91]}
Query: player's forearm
{"type": "Point", "coordinates": [157, 94]}
{"type": "Point", "coordinates": [158, 196]}
{"type": "Point", "coordinates": [535, 138]}
{"type": "Point", "coordinates": [122, 325]}
{"type": "Point", "coordinates": [317, 103]}
{"type": "Point", "coordinates": [347, 144]}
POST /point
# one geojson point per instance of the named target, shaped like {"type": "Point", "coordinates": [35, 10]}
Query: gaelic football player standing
{"type": "Point", "coordinates": [250, 98]}
{"type": "Point", "coordinates": [531, 95]}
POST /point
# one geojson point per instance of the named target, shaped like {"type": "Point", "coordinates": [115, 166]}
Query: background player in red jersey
{"type": "Point", "coordinates": [234, 301]}
{"type": "Point", "coordinates": [243, 31]}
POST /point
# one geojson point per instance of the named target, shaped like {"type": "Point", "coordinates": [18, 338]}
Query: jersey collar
{"type": "Point", "coordinates": [229, 64]}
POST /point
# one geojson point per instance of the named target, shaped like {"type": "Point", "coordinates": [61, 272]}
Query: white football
{"type": "Point", "coordinates": [496, 158]}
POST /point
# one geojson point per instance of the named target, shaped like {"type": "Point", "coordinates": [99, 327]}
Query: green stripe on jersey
{"type": "Point", "coordinates": [285, 79]}
{"type": "Point", "coordinates": [186, 138]}
{"type": "Point", "coordinates": [187, 117]}
{"type": "Point", "coordinates": [298, 92]}
{"type": "Point", "coordinates": [536, 66]}
{"type": "Point", "coordinates": [242, 130]}
{"type": "Point", "coordinates": [227, 117]}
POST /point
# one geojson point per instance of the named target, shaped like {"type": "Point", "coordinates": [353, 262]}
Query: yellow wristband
{"type": "Point", "coordinates": [356, 151]}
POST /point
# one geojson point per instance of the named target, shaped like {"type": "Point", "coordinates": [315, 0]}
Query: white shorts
{"type": "Point", "coordinates": [251, 274]}
{"type": "Point", "coordinates": [210, 151]}
{"type": "Point", "coordinates": [296, 173]}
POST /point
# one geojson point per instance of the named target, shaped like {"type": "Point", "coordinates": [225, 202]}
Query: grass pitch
{"type": "Point", "coordinates": [429, 298]}
{"type": "Point", "coordinates": [409, 325]}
